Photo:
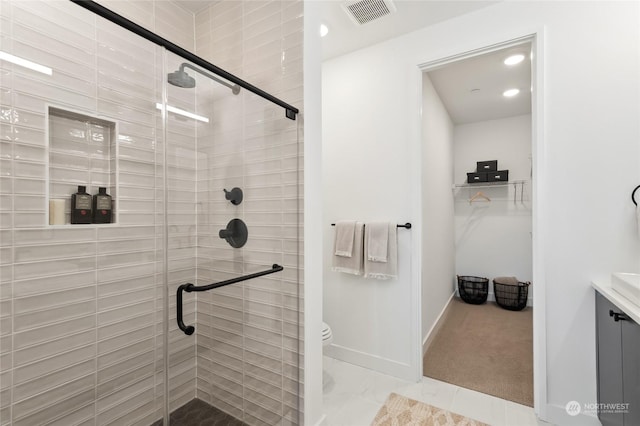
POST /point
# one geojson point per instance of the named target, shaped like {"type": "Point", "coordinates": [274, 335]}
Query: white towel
{"type": "Point", "coordinates": [378, 241]}
{"type": "Point", "coordinates": [638, 219]}
{"type": "Point", "coordinates": [383, 270]}
{"type": "Point", "coordinates": [343, 244]}
{"type": "Point", "coordinates": [353, 264]}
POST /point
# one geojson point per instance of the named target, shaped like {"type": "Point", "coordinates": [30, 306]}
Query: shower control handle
{"type": "Point", "coordinates": [236, 233]}
{"type": "Point", "coordinates": [235, 195]}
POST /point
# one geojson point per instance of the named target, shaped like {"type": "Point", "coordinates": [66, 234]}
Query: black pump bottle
{"type": "Point", "coordinates": [81, 206]}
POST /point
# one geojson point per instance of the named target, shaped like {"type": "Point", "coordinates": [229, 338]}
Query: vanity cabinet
{"type": "Point", "coordinates": [618, 363]}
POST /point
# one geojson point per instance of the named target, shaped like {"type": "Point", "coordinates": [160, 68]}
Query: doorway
{"type": "Point", "coordinates": [482, 229]}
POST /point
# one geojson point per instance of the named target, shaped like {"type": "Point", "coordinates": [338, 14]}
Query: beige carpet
{"type": "Point", "coordinates": [485, 348]}
{"type": "Point", "coordinates": [402, 411]}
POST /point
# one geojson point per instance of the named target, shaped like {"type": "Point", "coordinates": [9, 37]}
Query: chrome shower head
{"type": "Point", "coordinates": [181, 79]}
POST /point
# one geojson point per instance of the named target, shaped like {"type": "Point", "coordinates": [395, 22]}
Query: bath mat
{"type": "Point", "coordinates": [402, 411]}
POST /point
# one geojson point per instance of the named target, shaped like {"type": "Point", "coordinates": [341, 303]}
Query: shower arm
{"type": "Point", "coordinates": [189, 329]}
{"type": "Point", "coordinates": [234, 87]}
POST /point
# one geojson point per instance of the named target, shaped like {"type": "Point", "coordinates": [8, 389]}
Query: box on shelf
{"type": "Point", "coordinates": [476, 177]}
{"type": "Point", "coordinates": [498, 176]}
{"type": "Point", "coordinates": [487, 166]}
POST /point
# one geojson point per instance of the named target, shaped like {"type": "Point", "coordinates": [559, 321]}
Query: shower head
{"type": "Point", "coordinates": [181, 79]}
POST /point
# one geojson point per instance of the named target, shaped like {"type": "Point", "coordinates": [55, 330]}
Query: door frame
{"type": "Point", "coordinates": [539, 201]}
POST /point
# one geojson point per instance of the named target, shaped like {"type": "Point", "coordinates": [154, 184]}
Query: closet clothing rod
{"type": "Point", "coordinates": [406, 225]}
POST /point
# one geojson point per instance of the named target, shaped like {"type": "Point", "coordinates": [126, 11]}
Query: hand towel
{"type": "Point", "coordinates": [343, 244]}
{"type": "Point", "coordinates": [638, 219]}
{"type": "Point", "coordinates": [353, 264]}
{"type": "Point", "coordinates": [383, 270]}
{"type": "Point", "coordinates": [378, 241]}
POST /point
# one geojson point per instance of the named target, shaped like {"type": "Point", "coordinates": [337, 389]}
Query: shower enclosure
{"type": "Point", "coordinates": [189, 302]}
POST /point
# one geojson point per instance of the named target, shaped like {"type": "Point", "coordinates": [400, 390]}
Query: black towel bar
{"type": "Point", "coordinates": [406, 225]}
{"type": "Point", "coordinates": [633, 195]}
{"type": "Point", "coordinates": [189, 329]}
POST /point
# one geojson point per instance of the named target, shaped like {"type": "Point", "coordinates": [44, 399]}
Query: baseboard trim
{"type": "Point", "coordinates": [492, 298]}
{"type": "Point", "coordinates": [442, 317]}
{"type": "Point", "coordinates": [372, 362]}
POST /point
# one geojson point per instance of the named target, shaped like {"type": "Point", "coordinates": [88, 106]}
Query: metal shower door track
{"type": "Point", "coordinates": [290, 111]}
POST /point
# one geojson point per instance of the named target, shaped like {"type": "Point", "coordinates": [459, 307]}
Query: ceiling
{"type": "Point", "coordinates": [346, 36]}
{"type": "Point", "coordinates": [455, 81]}
{"type": "Point", "coordinates": [471, 89]}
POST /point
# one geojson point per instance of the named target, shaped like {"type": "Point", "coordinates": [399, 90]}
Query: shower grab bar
{"type": "Point", "coordinates": [98, 9]}
{"type": "Point", "coordinates": [189, 329]}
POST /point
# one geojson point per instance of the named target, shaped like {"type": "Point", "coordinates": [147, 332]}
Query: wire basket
{"type": "Point", "coordinates": [511, 296]}
{"type": "Point", "coordinates": [473, 290]}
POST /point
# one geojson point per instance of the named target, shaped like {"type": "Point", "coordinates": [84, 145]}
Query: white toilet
{"type": "Point", "coordinates": [327, 335]}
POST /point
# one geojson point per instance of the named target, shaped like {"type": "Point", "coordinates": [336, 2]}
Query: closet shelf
{"type": "Point", "coordinates": [515, 184]}
{"type": "Point", "coordinates": [488, 184]}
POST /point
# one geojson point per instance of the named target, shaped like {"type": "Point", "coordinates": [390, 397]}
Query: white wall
{"type": "Point", "coordinates": [590, 160]}
{"type": "Point", "coordinates": [494, 238]}
{"type": "Point", "coordinates": [369, 318]}
{"type": "Point", "coordinates": [437, 207]}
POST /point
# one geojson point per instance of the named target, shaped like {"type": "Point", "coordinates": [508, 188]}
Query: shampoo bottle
{"type": "Point", "coordinates": [102, 206]}
{"type": "Point", "coordinates": [81, 206]}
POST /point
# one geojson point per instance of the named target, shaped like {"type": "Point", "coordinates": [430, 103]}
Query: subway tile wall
{"type": "Point", "coordinates": [249, 336]}
{"type": "Point", "coordinates": [81, 309]}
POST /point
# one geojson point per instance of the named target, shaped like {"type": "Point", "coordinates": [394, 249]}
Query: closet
{"type": "Point", "coordinates": [476, 224]}
{"type": "Point", "coordinates": [492, 224]}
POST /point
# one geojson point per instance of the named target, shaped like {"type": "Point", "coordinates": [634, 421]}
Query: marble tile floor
{"type": "Point", "coordinates": [353, 395]}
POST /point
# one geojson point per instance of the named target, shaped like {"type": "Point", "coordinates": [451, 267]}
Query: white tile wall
{"type": "Point", "coordinates": [249, 339]}
{"type": "Point", "coordinates": [81, 308]}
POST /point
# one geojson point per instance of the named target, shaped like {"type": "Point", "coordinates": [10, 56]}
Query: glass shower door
{"type": "Point", "coordinates": [233, 210]}
{"type": "Point", "coordinates": [81, 308]}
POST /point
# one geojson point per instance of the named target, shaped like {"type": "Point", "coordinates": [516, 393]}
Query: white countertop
{"type": "Point", "coordinates": [625, 305]}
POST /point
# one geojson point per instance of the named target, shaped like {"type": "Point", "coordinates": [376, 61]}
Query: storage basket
{"type": "Point", "coordinates": [473, 290]}
{"type": "Point", "coordinates": [511, 296]}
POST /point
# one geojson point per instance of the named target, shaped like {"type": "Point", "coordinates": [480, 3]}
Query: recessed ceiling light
{"type": "Point", "coordinates": [511, 92]}
{"type": "Point", "coordinates": [514, 59]}
{"type": "Point", "coordinates": [324, 30]}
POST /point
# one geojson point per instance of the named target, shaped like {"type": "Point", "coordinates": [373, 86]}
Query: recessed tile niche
{"type": "Point", "coordinates": [82, 151]}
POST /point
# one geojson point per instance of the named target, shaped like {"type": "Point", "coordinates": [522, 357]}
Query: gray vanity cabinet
{"type": "Point", "coordinates": [618, 363]}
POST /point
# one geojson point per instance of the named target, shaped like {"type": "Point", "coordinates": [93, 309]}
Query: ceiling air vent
{"type": "Point", "coordinates": [364, 11]}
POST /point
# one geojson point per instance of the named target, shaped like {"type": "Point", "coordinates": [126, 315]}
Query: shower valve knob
{"type": "Point", "coordinates": [235, 195]}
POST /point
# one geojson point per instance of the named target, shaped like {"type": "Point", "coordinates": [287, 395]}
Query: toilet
{"type": "Point", "coordinates": [327, 335]}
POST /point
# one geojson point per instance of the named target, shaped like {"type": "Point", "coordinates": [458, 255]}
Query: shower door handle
{"type": "Point", "coordinates": [189, 329]}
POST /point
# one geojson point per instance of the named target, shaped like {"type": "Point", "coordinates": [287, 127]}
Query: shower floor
{"type": "Point", "coordinates": [198, 413]}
